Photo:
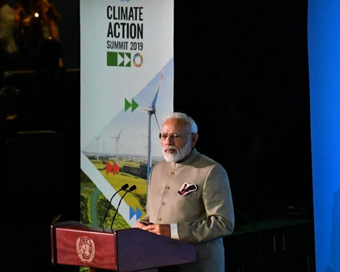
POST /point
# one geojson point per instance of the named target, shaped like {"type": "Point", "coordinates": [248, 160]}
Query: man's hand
{"type": "Point", "coordinates": [141, 224]}
{"type": "Point", "coordinates": [157, 229]}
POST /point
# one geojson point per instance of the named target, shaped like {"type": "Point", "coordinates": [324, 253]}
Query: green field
{"type": "Point", "coordinates": [94, 203]}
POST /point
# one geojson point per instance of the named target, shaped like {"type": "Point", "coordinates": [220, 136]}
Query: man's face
{"type": "Point", "coordinates": [177, 140]}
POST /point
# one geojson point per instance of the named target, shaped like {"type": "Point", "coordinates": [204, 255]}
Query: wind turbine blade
{"type": "Point", "coordinates": [120, 133]}
{"type": "Point", "coordinates": [145, 109]}
{"type": "Point", "coordinates": [153, 105]}
{"type": "Point", "coordinates": [157, 123]}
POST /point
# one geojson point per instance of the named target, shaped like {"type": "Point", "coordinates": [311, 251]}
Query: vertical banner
{"type": "Point", "coordinates": [324, 74]}
{"type": "Point", "coordinates": [126, 90]}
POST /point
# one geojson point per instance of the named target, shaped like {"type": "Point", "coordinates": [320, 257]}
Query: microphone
{"type": "Point", "coordinates": [132, 188]}
{"type": "Point", "coordinates": [124, 187]}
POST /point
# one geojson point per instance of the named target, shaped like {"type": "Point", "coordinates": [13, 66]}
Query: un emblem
{"type": "Point", "coordinates": [85, 249]}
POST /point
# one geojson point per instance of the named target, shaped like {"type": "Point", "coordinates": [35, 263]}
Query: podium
{"type": "Point", "coordinates": [125, 250]}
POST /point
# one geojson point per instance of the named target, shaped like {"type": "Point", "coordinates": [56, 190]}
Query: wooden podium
{"type": "Point", "coordinates": [126, 250]}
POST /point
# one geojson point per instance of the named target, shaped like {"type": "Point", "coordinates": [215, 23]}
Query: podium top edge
{"type": "Point", "coordinates": [78, 225]}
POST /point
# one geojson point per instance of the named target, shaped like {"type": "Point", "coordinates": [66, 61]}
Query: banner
{"type": "Point", "coordinates": [126, 90]}
{"type": "Point", "coordinates": [324, 77]}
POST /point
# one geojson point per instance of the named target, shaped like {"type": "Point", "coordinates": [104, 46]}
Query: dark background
{"type": "Point", "coordinates": [240, 70]}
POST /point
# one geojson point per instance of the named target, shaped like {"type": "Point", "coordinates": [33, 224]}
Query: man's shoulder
{"type": "Point", "coordinates": [204, 159]}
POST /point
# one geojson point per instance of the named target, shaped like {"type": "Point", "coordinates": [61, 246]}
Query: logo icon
{"type": "Point", "coordinates": [138, 60]}
{"type": "Point", "coordinates": [118, 59]}
{"type": "Point", "coordinates": [85, 249]}
{"type": "Point", "coordinates": [134, 105]}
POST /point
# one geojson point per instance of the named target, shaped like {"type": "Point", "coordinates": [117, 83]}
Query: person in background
{"type": "Point", "coordinates": [8, 47]}
{"type": "Point", "coordinates": [189, 197]}
{"type": "Point", "coordinates": [36, 21]}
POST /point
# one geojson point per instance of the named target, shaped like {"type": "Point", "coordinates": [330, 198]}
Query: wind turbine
{"type": "Point", "coordinates": [97, 138]}
{"type": "Point", "coordinates": [117, 146]}
{"type": "Point", "coordinates": [151, 110]}
{"type": "Point", "coordinates": [146, 151]}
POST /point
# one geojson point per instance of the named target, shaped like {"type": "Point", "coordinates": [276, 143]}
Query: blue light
{"type": "Point", "coordinates": [324, 73]}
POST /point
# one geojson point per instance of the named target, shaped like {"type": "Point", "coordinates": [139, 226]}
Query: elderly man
{"type": "Point", "coordinates": [189, 197]}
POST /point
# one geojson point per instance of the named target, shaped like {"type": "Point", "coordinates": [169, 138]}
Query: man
{"type": "Point", "coordinates": [8, 47]}
{"type": "Point", "coordinates": [189, 197]}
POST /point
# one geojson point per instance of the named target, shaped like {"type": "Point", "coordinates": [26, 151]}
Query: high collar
{"type": "Point", "coordinates": [187, 160]}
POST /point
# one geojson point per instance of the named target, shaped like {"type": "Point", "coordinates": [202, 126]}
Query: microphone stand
{"type": "Point", "coordinates": [130, 190]}
{"type": "Point", "coordinates": [108, 207]}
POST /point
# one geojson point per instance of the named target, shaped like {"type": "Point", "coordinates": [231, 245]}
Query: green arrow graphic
{"type": "Point", "coordinates": [134, 105]}
{"type": "Point", "coordinates": [127, 104]}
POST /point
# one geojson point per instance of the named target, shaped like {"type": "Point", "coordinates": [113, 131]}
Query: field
{"type": "Point", "coordinates": [94, 203]}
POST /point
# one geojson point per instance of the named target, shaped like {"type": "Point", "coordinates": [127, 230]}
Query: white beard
{"type": "Point", "coordinates": [180, 155]}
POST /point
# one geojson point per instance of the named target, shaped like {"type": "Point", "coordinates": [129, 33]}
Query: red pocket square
{"type": "Point", "coordinates": [187, 189]}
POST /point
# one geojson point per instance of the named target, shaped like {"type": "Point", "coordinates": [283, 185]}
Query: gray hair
{"type": "Point", "coordinates": [184, 117]}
